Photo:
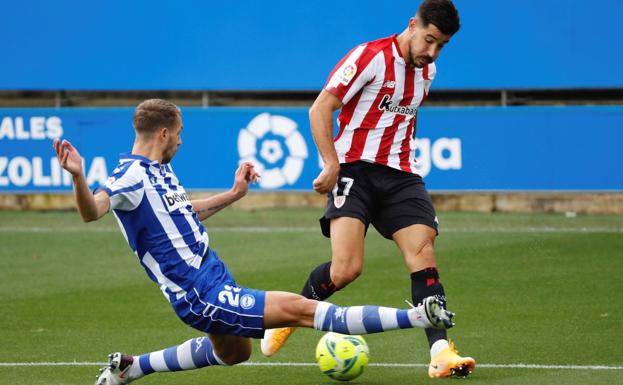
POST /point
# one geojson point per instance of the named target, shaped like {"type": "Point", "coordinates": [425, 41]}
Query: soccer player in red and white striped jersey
{"type": "Point", "coordinates": [379, 92]}
{"type": "Point", "coordinates": [370, 171]}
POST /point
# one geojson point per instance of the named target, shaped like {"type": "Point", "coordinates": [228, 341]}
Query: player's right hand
{"type": "Point", "coordinates": [245, 174]}
{"type": "Point", "coordinates": [68, 156]}
{"type": "Point", "coordinates": [327, 179]}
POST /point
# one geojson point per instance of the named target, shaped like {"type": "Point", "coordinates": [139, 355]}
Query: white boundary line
{"type": "Point", "coordinates": [379, 364]}
{"type": "Point", "coordinates": [277, 229]}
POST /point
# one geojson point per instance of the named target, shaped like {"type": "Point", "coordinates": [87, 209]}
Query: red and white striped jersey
{"type": "Point", "coordinates": [381, 97]}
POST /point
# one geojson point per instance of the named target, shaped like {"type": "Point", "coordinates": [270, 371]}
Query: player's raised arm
{"type": "Point", "coordinates": [321, 121]}
{"type": "Point", "coordinates": [90, 207]}
{"type": "Point", "coordinates": [245, 174]}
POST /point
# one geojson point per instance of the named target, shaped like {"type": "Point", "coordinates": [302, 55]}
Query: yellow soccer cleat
{"type": "Point", "coordinates": [448, 363]}
{"type": "Point", "coordinates": [274, 339]}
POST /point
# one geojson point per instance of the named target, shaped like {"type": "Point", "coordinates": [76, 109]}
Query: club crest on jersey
{"type": "Point", "coordinates": [386, 105]}
{"type": "Point", "coordinates": [247, 301]}
{"type": "Point", "coordinates": [339, 201]}
{"type": "Point", "coordinates": [347, 73]}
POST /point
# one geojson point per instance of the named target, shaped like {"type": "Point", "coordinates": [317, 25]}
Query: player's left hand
{"type": "Point", "coordinates": [245, 174]}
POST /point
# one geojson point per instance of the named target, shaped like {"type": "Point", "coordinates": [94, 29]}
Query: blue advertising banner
{"type": "Point", "coordinates": [294, 45]}
{"type": "Point", "coordinates": [459, 149]}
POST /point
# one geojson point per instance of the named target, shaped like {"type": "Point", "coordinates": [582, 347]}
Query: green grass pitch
{"type": "Point", "coordinates": [537, 289]}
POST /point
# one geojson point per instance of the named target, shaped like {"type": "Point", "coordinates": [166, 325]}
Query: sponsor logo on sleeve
{"type": "Point", "coordinates": [347, 73]}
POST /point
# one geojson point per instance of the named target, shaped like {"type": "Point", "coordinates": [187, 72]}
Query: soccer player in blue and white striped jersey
{"type": "Point", "coordinates": [162, 226]}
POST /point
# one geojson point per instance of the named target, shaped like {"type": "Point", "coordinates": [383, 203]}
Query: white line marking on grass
{"type": "Point", "coordinates": [278, 229]}
{"type": "Point", "coordinates": [12, 364]}
{"type": "Point", "coordinates": [493, 366]}
{"type": "Point", "coordinates": [376, 364]}
{"type": "Point", "coordinates": [508, 230]}
{"type": "Point", "coordinates": [58, 229]}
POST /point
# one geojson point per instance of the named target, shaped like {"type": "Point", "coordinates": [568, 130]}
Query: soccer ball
{"type": "Point", "coordinates": [342, 357]}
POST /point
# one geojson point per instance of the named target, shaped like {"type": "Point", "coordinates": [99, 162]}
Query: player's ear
{"type": "Point", "coordinates": [163, 133]}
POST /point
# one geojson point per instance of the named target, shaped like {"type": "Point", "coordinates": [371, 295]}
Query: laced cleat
{"type": "Point", "coordinates": [448, 363]}
{"type": "Point", "coordinates": [436, 313]}
{"type": "Point", "coordinates": [116, 373]}
{"type": "Point", "coordinates": [274, 339]}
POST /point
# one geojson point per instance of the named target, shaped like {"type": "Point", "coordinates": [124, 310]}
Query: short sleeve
{"type": "Point", "coordinates": [125, 187]}
{"type": "Point", "coordinates": [351, 74]}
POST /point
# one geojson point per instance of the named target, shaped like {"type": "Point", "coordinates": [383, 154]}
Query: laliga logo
{"type": "Point", "coordinates": [444, 153]}
{"type": "Point", "coordinates": [276, 148]}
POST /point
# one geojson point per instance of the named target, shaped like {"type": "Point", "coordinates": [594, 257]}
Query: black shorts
{"type": "Point", "coordinates": [390, 199]}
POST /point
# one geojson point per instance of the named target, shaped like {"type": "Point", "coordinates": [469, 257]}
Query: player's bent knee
{"type": "Point", "coordinates": [242, 354]}
{"type": "Point", "coordinates": [303, 310]}
{"type": "Point", "coordinates": [422, 258]}
{"type": "Point", "coordinates": [234, 360]}
{"type": "Point", "coordinates": [231, 350]}
{"type": "Point", "coordinates": [288, 309]}
{"type": "Point", "coordinates": [427, 251]}
{"type": "Point", "coordinates": [342, 278]}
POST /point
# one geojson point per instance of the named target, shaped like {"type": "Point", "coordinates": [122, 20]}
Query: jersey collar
{"type": "Point", "coordinates": [129, 155]}
{"type": "Point", "coordinates": [397, 49]}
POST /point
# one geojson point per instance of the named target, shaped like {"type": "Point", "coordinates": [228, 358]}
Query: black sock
{"type": "Point", "coordinates": [319, 285]}
{"type": "Point", "coordinates": [425, 283]}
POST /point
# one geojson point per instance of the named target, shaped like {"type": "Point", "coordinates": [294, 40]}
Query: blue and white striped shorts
{"type": "Point", "coordinates": [218, 305]}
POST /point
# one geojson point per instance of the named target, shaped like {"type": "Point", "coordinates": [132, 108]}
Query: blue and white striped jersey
{"type": "Point", "coordinates": [157, 219]}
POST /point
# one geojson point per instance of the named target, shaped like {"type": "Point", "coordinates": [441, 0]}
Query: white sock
{"type": "Point", "coordinates": [417, 316]}
{"type": "Point", "coordinates": [135, 371]}
{"type": "Point", "coordinates": [438, 346]}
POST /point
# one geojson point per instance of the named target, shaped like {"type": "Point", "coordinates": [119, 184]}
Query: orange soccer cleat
{"type": "Point", "coordinates": [448, 363]}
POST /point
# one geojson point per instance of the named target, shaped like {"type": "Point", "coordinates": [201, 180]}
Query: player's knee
{"type": "Point", "coordinates": [343, 277]}
{"type": "Point", "coordinates": [421, 257]}
{"type": "Point", "coordinates": [428, 250]}
{"type": "Point", "coordinates": [233, 357]}
{"type": "Point", "coordinates": [297, 310]}
{"type": "Point", "coordinates": [425, 251]}
{"type": "Point", "coordinates": [306, 312]}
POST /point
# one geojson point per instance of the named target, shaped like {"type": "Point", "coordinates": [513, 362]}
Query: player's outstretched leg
{"type": "Point", "coordinates": [124, 368]}
{"type": "Point", "coordinates": [374, 319]}
{"type": "Point", "coordinates": [287, 309]}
